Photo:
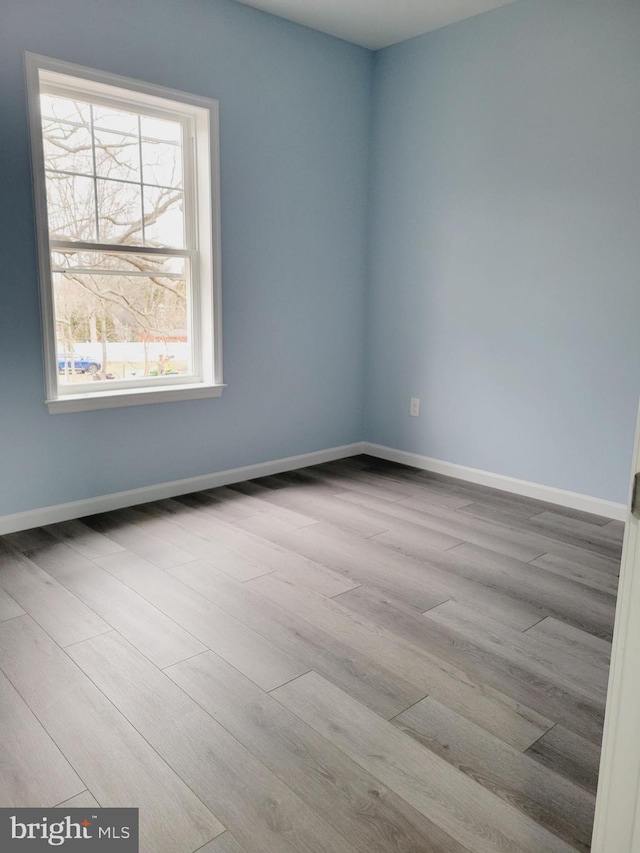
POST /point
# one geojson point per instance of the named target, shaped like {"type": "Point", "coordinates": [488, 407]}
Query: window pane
{"type": "Point", "coordinates": [121, 326]}
{"type": "Point", "coordinates": [117, 120]}
{"type": "Point", "coordinates": [164, 131]}
{"type": "Point", "coordinates": [71, 207]}
{"type": "Point", "coordinates": [164, 217]}
{"type": "Point", "coordinates": [117, 156]}
{"type": "Point", "coordinates": [67, 147]}
{"type": "Point", "coordinates": [119, 212]}
{"type": "Point", "coordinates": [161, 163]}
{"type": "Point", "coordinates": [55, 107]}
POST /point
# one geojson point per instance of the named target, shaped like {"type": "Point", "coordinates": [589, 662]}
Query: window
{"type": "Point", "coordinates": [127, 211]}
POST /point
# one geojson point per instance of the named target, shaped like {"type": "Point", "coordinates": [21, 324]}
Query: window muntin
{"type": "Point", "coordinates": [130, 283]}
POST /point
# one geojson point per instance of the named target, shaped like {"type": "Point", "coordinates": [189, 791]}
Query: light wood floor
{"type": "Point", "coordinates": [354, 658]}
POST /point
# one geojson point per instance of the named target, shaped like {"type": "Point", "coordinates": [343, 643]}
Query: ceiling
{"type": "Point", "coordinates": [375, 23]}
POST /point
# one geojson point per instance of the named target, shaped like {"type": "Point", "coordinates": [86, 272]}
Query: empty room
{"type": "Point", "coordinates": [320, 373]}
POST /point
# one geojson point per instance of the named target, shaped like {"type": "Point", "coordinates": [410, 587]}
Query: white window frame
{"type": "Point", "coordinates": [199, 117]}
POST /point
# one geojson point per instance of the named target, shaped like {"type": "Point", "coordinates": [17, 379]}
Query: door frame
{"type": "Point", "coordinates": [617, 818]}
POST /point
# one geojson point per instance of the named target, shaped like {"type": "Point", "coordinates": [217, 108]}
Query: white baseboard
{"type": "Point", "coordinates": [103, 503]}
{"type": "Point", "coordinates": [118, 500]}
{"type": "Point", "coordinates": [561, 497]}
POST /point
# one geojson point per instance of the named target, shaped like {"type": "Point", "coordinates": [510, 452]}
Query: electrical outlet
{"type": "Point", "coordinates": [414, 407]}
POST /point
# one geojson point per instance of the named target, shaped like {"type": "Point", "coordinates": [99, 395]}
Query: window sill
{"type": "Point", "coordinates": [134, 397]}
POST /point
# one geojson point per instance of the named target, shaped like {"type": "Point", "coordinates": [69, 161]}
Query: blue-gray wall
{"type": "Point", "coordinates": [294, 116]}
{"type": "Point", "coordinates": [504, 281]}
{"type": "Point", "coordinates": [501, 283]}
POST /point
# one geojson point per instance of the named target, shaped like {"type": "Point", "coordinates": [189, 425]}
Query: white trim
{"type": "Point", "coordinates": [550, 494]}
{"type": "Point", "coordinates": [617, 818]}
{"type": "Point", "coordinates": [161, 93]}
{"type": "Point", "coordinates": [118, 500]}
{"type": "Point", "coordinates": [131, 397]}
{"type": "Point", "coordinates": [42, 224]}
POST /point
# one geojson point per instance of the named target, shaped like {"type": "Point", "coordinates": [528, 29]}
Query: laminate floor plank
{"type": "Point", "coordinates": [420, 583]}
{"type": "Point", "coordinates": [577, 571]}
{"type": "Point", "coordinates": [287, 480]}
{"type": "Point", "coordinates": [538, 535]}
{"type": "Point", "coordinates": [501, 513]}
{"type": "Point", "coordinates": [372, 684]}
{"type": "Point", "coordinates": [79, 536]}
{"type": "Point", "coordinates": [27, 540]}
{"type": "Point", "coordinates": [360, 481]}
{"type": "Point", "coordinates": [9, 607]}
{"type": "Point", "coordinates": [476, 492]}
{"type": "Point", "coordinates": [444, 492]}
{"type": "Point", "coordinates": [459, 691]}
{"type": "Point", "coordinates": [224, 843]}
{"type": "Point", "coordinates": [243, 555]}
{"type": "Point", "coordinates": [472, 498]}
{"type": "Point", "coordinates": [317, 506]}
{"type": "Point", "coordinates": [499, 539]}
{"type": "Point", "coordinates": [551, 800]}
{"type": "Point", "coordinates": [445, 522]}
{"type": "Point", "coordinates": [114, 761]}
{"type": "Point", "coordinates": [389, 488]}
{"type": "Point", "coordinates": [256, 657]}
{"type": "Point", "coordinates": [261, 811]}
{"type": "Point", "coordinates": [33, 771]}
{"type": "Point", "coordinates": [164, 524]}
{"type": "Point", "coordinates": [153, 633]}
{"type": "Point", "coordinates": [567, 753]}
{"type": "Point", "coordinates": [220, 503]}
{"type": "Point", "coordinates": [83, 800]}
{"type": "Point", "coordinates": [568, 600]}
{"type": "Point", "coordinates": [577, 642]}
{"type": "Point", "coordinates": [504, 513]}
{"type": "Point", "coordinates": [266, 553]}
{"type": "Point", "coordinates": [472, 815]}
{"type": "Point", "coordinates": [533, 506]}
{"type": "Point", "coordinates": [519, 533]}
{"type": "Point", "coordinates": [370, 521]}
{"type": "Point", "coordinates": [507, 502]}
{"type": "Point", "coordinates": [616, 527]}
{"type": "Point", "coordinates": [600, 540]}
{"type": "Point", "coordinates": [583, 556]}
{"type": "Point", "coordinates": [116, 526]}
{"type": "Point", "coordinates": [562, 699]}
{"type": "Point", "coordinates": [333, 785]}
{"type": "Point", "coordinates": [562, 664]}
{"type": "Point", "coordinates": [62, 614]}
{"type": "Point", "coordinates": [509, 673]}
{"type": "Point", "coordinates": [224, 502]}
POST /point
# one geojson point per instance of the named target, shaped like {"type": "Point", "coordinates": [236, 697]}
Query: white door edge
{"type": "Point", "coordinates": [617, 818]}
